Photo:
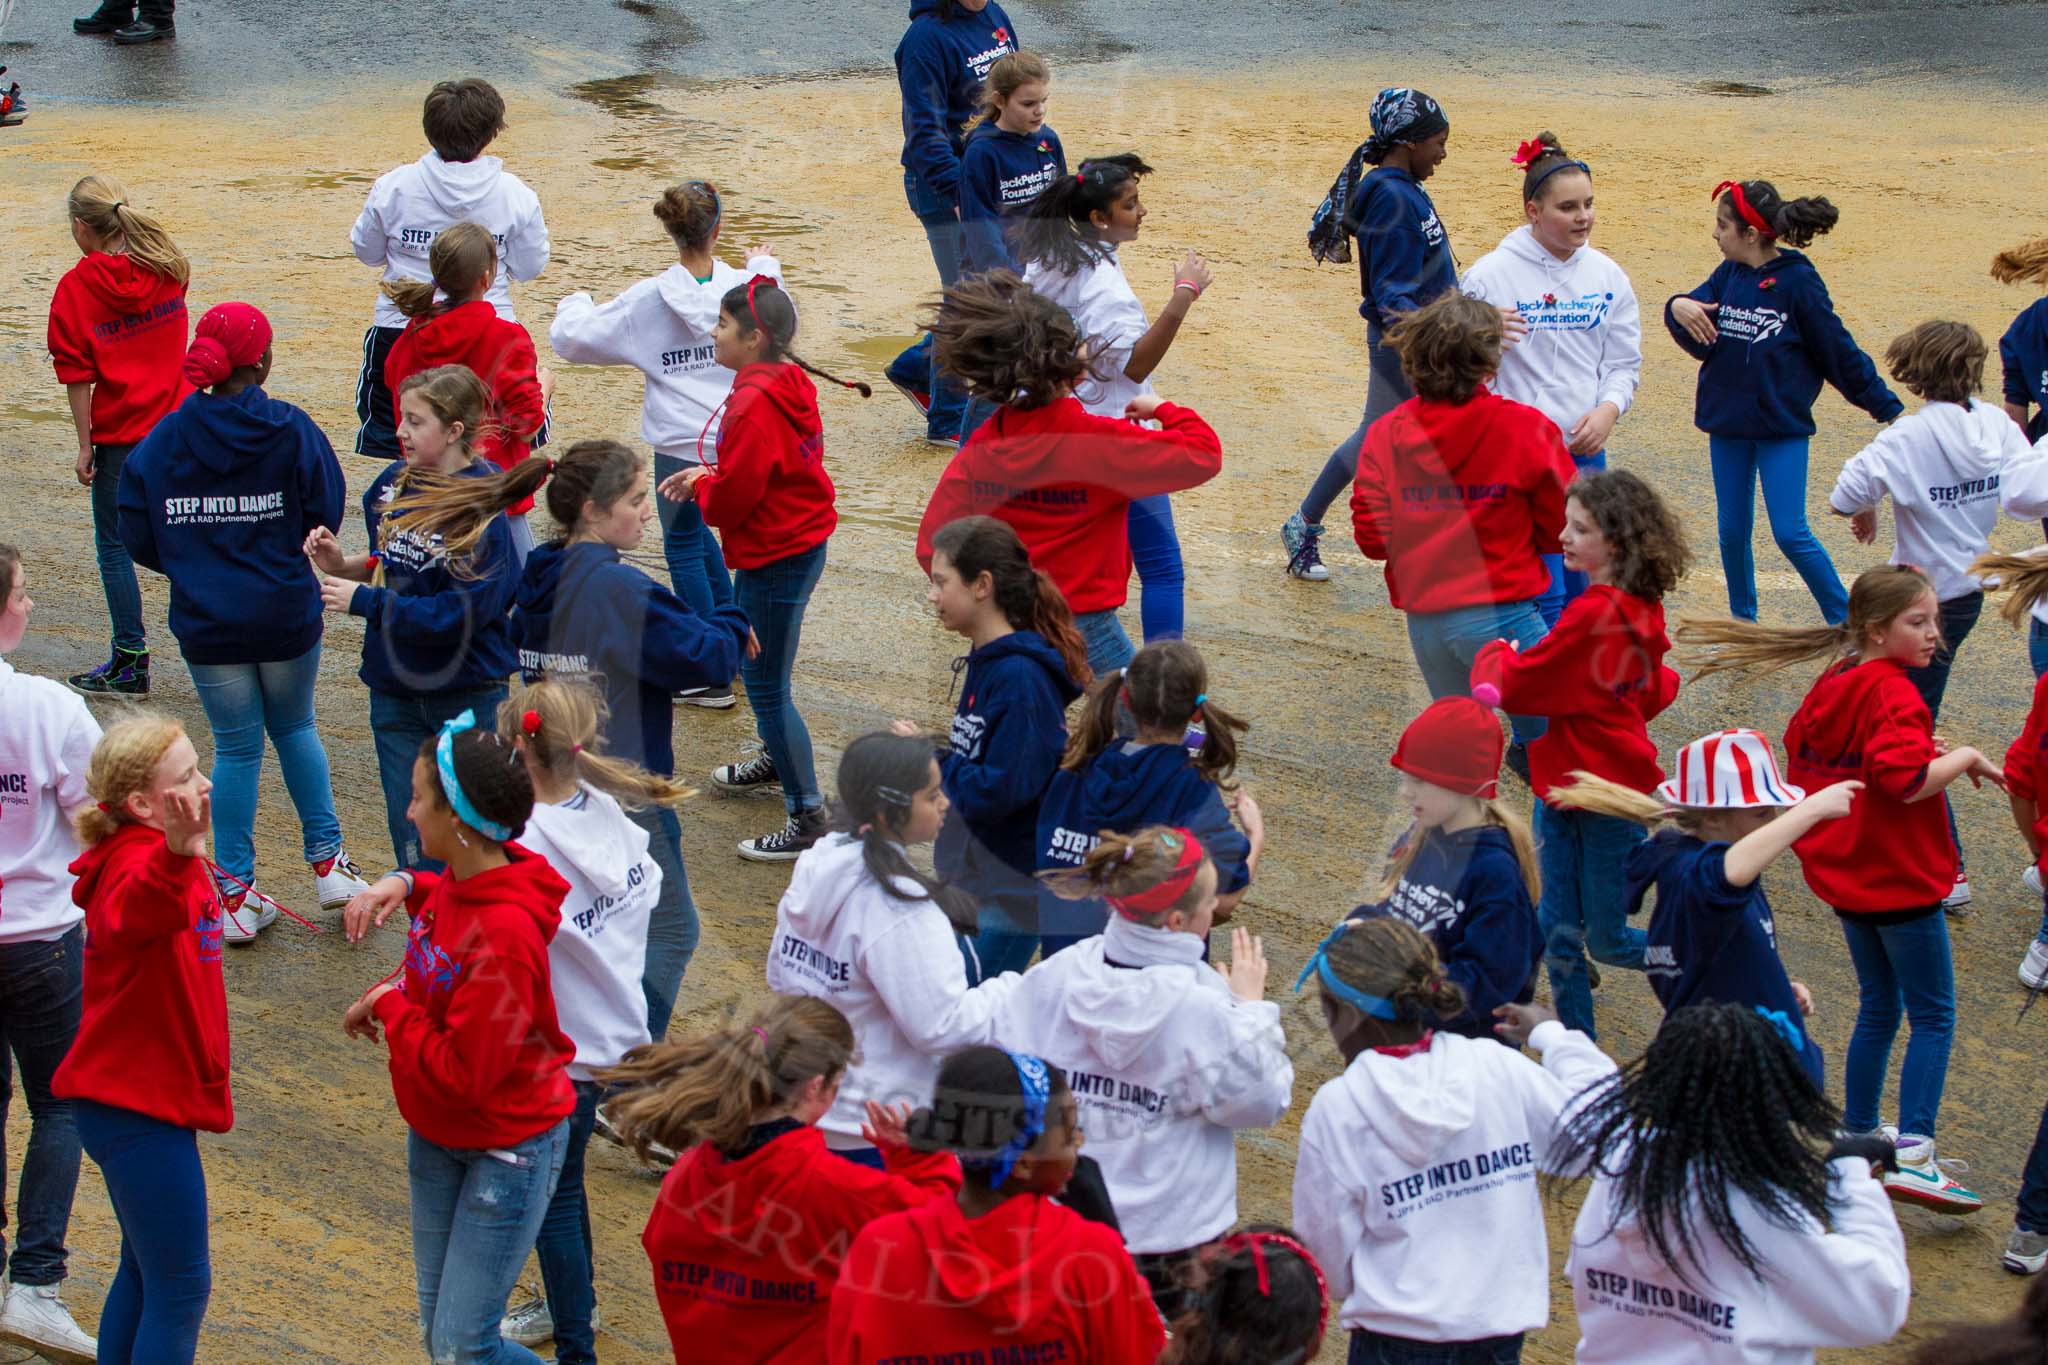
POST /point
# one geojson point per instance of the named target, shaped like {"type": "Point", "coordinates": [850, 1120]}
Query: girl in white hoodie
{"type": "Point", "coordinates": [1419, 1163]}
{"type": "Point", "coordinates": [1583, 352]}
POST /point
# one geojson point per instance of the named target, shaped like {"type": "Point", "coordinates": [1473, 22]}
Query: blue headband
{"type": "Point", "coordinates": [1036, 1079]}
{"type": "Point", "coordinates": [1787, 1030]}
{"type": "Point", "coordinates": [444, 762]}
{"type": "Point", "coordinates": [1560, 166]}
{"type": "Point", "coordinates": [1378, 1006]}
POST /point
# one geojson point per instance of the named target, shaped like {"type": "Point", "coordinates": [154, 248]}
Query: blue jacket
{"type": "Point", "coordinates": [429, 630]}
{"type": "Point", "coordinates": [1000, 174]}
{"type": "Point", "coordinates": [1125, 788]}
{"type": "Point", "coordinates": [1709, 941]}
{"type": "Point", "coordinates": [940, 66]}
{"type": "Point", "coordinates": [1779, 340]}
{"type": "Point", "coordinates": [220, 498]}
{"type": "Point", "coordinates": [580, 610]}
{"type": "Point", "coordinates": [2023, 354]}
{"type": "Point", "coordinates": [1009, 731]}
{"type": "Point", "coordinates": [1404, 254]}
{"type": "Point", "coordinates": [1465, 891]}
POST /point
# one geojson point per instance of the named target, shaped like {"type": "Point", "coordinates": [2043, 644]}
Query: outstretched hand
{"type": "Point", "coordinates": [372, 906]}
{"type": "Point", "coordinates": [1697, 319]}
{"type": "Point", "coordinates": [1246, 970]}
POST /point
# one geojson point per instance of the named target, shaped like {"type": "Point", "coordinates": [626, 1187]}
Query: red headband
{"type": "Point", "coordinates": [1256, 1243]}
{"type": "Point", "coordinates": [1749, 215]}
{"type": "Point", "coordinates": [755, 283]}
{"type": "Point", "coordinates": [1153, 899]}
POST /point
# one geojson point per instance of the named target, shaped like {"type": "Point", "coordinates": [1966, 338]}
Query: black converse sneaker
{"type": "Point", "coordinates": [124, 675]}
{"type": "Point", "coordinates": [749, 775]}
{"type": "Point", "coordinates": [798, 833]}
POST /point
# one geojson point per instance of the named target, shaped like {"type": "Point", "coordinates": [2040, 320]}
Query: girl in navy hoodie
{"type": "Point", "coordinates": [1026, 665]}
{"type": "Point", "coordinates": [2023, 350]}
{"type": "Point", "coordinates": [220, 498]}
{"type": "Point", "coordinates": [1011, 155]}
{"type": "Point", "coordinates": [1765, 333]}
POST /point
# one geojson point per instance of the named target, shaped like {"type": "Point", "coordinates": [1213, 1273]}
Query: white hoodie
{"type": "Point", "coordinates": [46, 743]}
{"type": "Point", "coordinates": [1585, 342]}
{"type": "Point", "coordinates": [1106, 309]}
{"type": "Point", "coordinates": [599, 953]}
{"type": "Point", "coordinates": [1848, 1287]}
{"type": "Point", "coordinates": [1416, 1170]}
{"type": "Point", "coordinates": [1943, 467]}
{"type": "Point", "coordinates": [1165, 1064]}
{"type": "Point", "coordinates": [892, 967]}
{"type": "Point", "coordinates": [408, 207]}
{"type": "Point", "coordinates": [662, 327]}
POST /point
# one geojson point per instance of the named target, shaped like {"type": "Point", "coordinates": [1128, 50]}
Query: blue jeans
{"type": "Point", "coordinates": [1386, 389]}
{"type": "Point", "coordinates": [1958, 618]}
{"type": "Point", "coordinates": [2037, 647]}
{"type": "Point", "coordinates": [1446, 642]}
{"type": "Point", "coordinates": [979, 410]}
{"type": "Point", "coordinates": [1899, 968]}
{"type": "Point", "coordinates": [564, 1244]}
{"type": "Point", "coordinates": [774, 597]}
{"type": "Point", "coordinates": [2032, 1213]}
{"type": "Point", "coordinates": [1109, 644]}
{"type": "Point", "coordinates": [1781, 466]}
{"type": "Point", "coordinates": [475, 1215]}
{"type": "Point", "coordinates": [1155, 549]}
{"type": "Point", "coordinates": [158, 1188]}
{"type": "Point", "coordinates": [1583, 910]}
{"type": "Point", "coordinates": [1376, 1348]}
{"type": "Point", "coordinates": [696, 564]}
{"type": "Point", "coordinates": [40, 990]}
{"type": "Point", "coordinates": [398, 726]}
{"type": "Point", "coordinates": [242, 702]}
{"type": "Point", "coordinates": [117, 570]}
{"type": "Point", "coordinates": [672, 928]}
{"type": "Point", "coordinates": [1566, 584]}
{"type": "Point", "coordinates": [1001, 942]}
{"type": "Point", "coordinates": [916, 367]}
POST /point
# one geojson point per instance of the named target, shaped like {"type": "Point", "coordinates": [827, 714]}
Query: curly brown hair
{"type": "Point", "coordinates": [1644, 536]}
{"type": "Point", "coordinates": [1941, 362]}
{"type": "Point", "coordinates": [1448, 347]}
{"type": "Point", "coordinates": [1007, 342]}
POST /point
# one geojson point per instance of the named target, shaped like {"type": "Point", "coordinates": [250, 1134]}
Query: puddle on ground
{"type": "Point", "coordinates": [316, 180]}
{"type": "Point", "coordinates": [1731, 89]}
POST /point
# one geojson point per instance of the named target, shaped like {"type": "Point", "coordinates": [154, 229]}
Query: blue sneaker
{"type": "Point", "coordinates": [1304, 560]}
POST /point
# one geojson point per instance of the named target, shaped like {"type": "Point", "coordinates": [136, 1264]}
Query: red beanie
{"type": "Point", "coordinates": [1455, 744]}
{"type": "Point", "coordinates": [230, 336]}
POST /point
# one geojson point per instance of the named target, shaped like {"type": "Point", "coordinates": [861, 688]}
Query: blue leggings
{"type": "Point", "coordinates": [158, 1299]}
{"type": "Point", "coordinates": [1780, 465]}
{"type": "Point", "coordinates": [1385, 390]}
{"type": "Point", "coordinates": [1155, 550]}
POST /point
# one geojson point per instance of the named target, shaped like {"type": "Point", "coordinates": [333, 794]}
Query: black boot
{"type": "Point", "coordinates": [124, 675]}
{"type": "Point", "coordinates": [148, 28]}
{"type": "Point", "coordinates": [105, 19]}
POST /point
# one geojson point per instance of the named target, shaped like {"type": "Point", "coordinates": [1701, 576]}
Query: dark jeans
{"type": "Point", "coordinates": [1386, 389]}
{"type": "Point", "coordinates": [40, 986]}
{"type": "Point", "coordinates": [565, 1247]}
{"type": "Point", "coordinates": [916, 367]}
{"type": "Point", "coordinates": [2032, 1213]}
{"type": "Point", "coordinates": [377, 423]}
{"type": "Point", "coordinates": [672, 929]}
{"type": "Point", "coordinates": [117, 570]}
{"type": "Point", "coordinates": [696, 563]}
{"type": "Point", "coordinates": [774, 597]}
{"type": "Point", "coordinates": [399, 725]}
{"type": "Point", "coordinates": [158, 1188]}
{"type": "Point", "coordinates": [1375, 1348]}
{"type": "Point", "coordinates": [1958, 618]}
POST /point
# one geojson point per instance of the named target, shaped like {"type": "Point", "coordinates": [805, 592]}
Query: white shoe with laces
{"type": "Point", "coordinates": [2034, 966]}
{"type": "Point", "coordinates": [529, 1324]}
{"type": "Point", "coordinates": [36, 1315]}
{"type": "Point", "coordinates": [1959, 894]}
{"type": "Point", "coordinates": [244, 915]}
{"type": "Point", "coordinates": [338, 881]}
{"type": "Point", "coordinates": [2032, 877]}
{"type": "Point", "coordinates": [1922, 1180]}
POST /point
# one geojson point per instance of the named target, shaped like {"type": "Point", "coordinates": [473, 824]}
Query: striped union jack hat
{"type": "Point", "coordinates": [1734, 770]}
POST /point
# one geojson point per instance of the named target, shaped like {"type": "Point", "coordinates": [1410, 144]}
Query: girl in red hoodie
{"type": "Point", "coordinates": [149, 1069]}
{"type": "Point", "coordinates": [754, 1218]}
{"type": "Point", "coordinates": [770, 496]}
{"type": "Point", "coordinates": [465, 329]}
{"type": "Point", "coordinates": [117, 337]}
{"type": "Point", "coordinates": [1002, 1270]}
{"type": "Point", "coordinates": [478, 1063]}
{"type": "Point", "coordinates": [1599, 679]}
{"type": "Point", "coordinates": [1885, 867]}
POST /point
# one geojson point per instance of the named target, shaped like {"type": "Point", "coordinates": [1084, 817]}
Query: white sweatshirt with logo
{"type": "Point", "coordinates": [408, 207]}
{"type": "Point", "coordinates": [1585, 342]}
{"type": "Point", "coordinates": [662, 327]}
{"type": "Point", "coordinates": [1943, 468]}
{"type": "Point", "coordinates": [1165, 1063]}
{"type": "Point", "coordinates": [1416, 1169]}
{"type": "Point", "coordinates": [1106, 309]}
{"type": "Point", "coordinates": [46, 742]}
{"type": "Point", "coordinates": [892, 967]}
{"type": "Point", "coordinates": [1820, 1288]}
{"type": "Point", "coordinates": [599, 953]}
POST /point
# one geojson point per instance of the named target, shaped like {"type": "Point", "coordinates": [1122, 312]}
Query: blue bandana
{"type": "Point", "coordinates": [1400, 115]}
{"type": "Point", "coordinates": [1378, 1006]}
{"type": "Point", "coordinates": [444, 761]}
{"type": "Point", "coordinates": [1037, 1082]}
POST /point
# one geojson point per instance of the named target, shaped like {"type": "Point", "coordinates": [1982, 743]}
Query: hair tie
{"type": "Point", "coordinates": [109, 810]}
{"type": "Point", "coordinates": [863, 830]}
{"type": "Point", "coordinates": [1129, 849]}
{"type": "Point", "coordinates": [1187, 865]}
{"type": "Point", "coordinates": [760, 1033]}
{"type": "Point", "coordinates": [575, 748]}
{"type": "Point", "coordinates": [119, 204]}
{"type": "Point", "coordinates": [530, 722]}
{"type": "Point", "coordinates": [451, 786]}
{"type": "Point", "coordinates": [1081, 175]}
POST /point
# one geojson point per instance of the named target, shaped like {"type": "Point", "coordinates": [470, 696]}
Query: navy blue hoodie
{"type": "Point", "coordinates": [1710, 942]}
{"type": "Point", "coordinates": [1404, 254]}
{"type": "Point", "coordinates": [1465, 891]}
{"type": "Point", "coordinates": [1123, 789]}
{"type": "Point", "coordinates": [1009, 731]}
{"type": "Point", "coordinates": [2023, 354]}
{"type": "Point", "coordinates": [429, 630]}
{"type": "Point", "coordinates": [1779, 341]}
{"type": "Point", "coordinates": [1000, 174]}
{"type": "Point", "coordinates": [940, 66]}
{"type": "Point", "coordinates": [220, 498]}
{"type": "Point", "coordinates": [581, 610]}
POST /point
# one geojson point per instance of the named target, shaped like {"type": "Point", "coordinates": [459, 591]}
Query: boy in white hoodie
{"type": "Point", "coordinates": [1419, 1163]}
{"type": "Point", "coordinates": [407, 208]}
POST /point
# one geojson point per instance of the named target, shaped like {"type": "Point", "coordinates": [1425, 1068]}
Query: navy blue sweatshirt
{"type": "Point", "coordinates": [429, 630]}
{"type": "Point", "coordinates": [940, 66]}
{"type": "Point", "coordinates": [1123, 789]}
{"type": "Point", "coordinates": [1404, 254]}
{"type": "Point", "coordinates": [2023, 354]}
{"type": "Point", "coordinates": [1465, 891]}
{"type": "Point", "coordinates": [581, 610]}
{"type": "Point", "coordinates": [220, 498]}
{"type": "Point", "coordinates": [1009, 731]}
{"type": "Point", "coordinates": [1710, 942]}
{"type": "Point", "coordinates": [1779, 341]}
{"type": "Point", "coordinates": [1000, 174]}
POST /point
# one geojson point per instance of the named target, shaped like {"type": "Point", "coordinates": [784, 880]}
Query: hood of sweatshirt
{"type": "Point", "coordinates": [784, 387]}
{"type": "Point", "coordinates": [1005, 1263]}
{"type": "Point", "coordinates": [90, 866]}
{"type": "Point", "coordinates": [224, 434]}
{"type": "Point", "coordinates": [460, 188]}
{"type": "Point", "coordinates": [823, 883]}
{"type": "Point", "coordinates": [1128, 783]}
{"type": "Point", "coordinates": [1972, 437]}
{"type": "Point", "coordinates": [454, 336]}
{"type": "Point", "coordinates": [1839, 707]}
{"type": "Point", "coordinates": [693, 300]}
{"type": "Point", "coordinates": [731, 1200]}
{"type": "Point", "coordinates": [597, 841]}
{"type": "Point", "coordinates": [1443, 438]}
{"type": "Point", "coordinates": [1122, 1010]}
{"type": "Point", "coordinates": [1416, 1103]}
{"type": "Point", "coordinates": [1523, 246]}
{"type": "Point", "coordinates": [121, 283]}
{"type": "Point", "coordinates": [1028, 646]}
{"type": "Point", "coordinates": [552, 571]}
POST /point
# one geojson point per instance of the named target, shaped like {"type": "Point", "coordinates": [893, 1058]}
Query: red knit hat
{"type": "Point", "coordinates": [1454, 744]}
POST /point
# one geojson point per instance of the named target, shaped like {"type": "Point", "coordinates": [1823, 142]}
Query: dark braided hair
{"type": "Point", "coordinates": [878, 775]}
{"type": "Point", "coordinates": [978, 1106]}
{"type": "Point", "coordinates": [762, 305]}
{"type": "Point", "coordinates": [1719, 1105]}
{"type": "Point", "coordinates": [492, 774]}
{"type": "Point", "coordinates": [1058, 228]}
{"type": "Point", "coordinates": [1234, 1323]}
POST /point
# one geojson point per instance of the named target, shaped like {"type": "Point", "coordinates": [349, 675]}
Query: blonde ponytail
{"type": "Point", "coordinates": [559, 719]}
{"type": "Point", "coordinates": [2022, 578]}
{"type": "Point", "coordinates": [2026, 263]}
{"type": "Point", "coordinates": [1598, 796]}
{"type": "Point", "coordinates": [101, 203]}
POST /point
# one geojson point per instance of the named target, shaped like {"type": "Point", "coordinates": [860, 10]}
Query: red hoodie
{"type": "Point", "coordinates": [1600, 678]}
{"type": "Point", "coordinates": [769, 493]}
{"type": "Point", "coordinates": [1063, 479]}
{"type": "Point", "coordinates": [1866, 721]}
{"type": "Point", "coordinates": [2026, 766]}
{"type": "Point", "coordinates": [154, 1033]}
{"type": "Point", "coordinates": [120, 327]}
{"type": "Point", "coordinates": [746, 1252]}
{"type": "Point", "coordinates": [1461, 500]}
{"type": "Point", "coordinates": [1031, 1280]}
{"type": "Point", "coordinates": [477, 1059]}
{"type": "Point", "coordinates": [500, 352]}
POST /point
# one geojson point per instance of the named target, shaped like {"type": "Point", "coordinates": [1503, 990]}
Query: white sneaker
{"type": "Point", "coordinates": [2034, 966]}
{"type": "Point", "coordinates": [530, 1324]}
{"type": "Point", "coordinates": [1959, 894]}
{"type": "Point", "coordinates": [339, 882]}
{"type": "Point", "coordinates": [36, 1315]}
{"type": "Point", "coordinates": [243, 916]}
{"type": "Point", "coordinates": [2032, 877]}
{"type": "Point", "coordinates": [1922, 1180]}
{"type": "Point", "coordinates": [2025, 1252]}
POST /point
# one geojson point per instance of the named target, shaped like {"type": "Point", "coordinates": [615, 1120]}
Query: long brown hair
{"type": "Point", "coordinates": [461, 255]}
{"type": "Point", "coordinates": [1006, 342]}
{"type": "Point", "coordinates": [763, 305]}
{"type": "Point", "coordinates": [1877, 598]}
{"type": "Point", "coordinates": [1166, 687]}
{"type": "Point", "coordinates": [1128, 864]}
{"type": "Point", "coordinates": [1006, 76]}
{"type": "Point", "coordinates": [2026, 263]}
{"type": "Point", "coordinates": [1026, 596]}
{"type": "Point", "coordinates": [454, 508]}
{"type": "Point", "coordinates": [101, 203]}
{"type": "Point", "coordinates": [455, 395]}
{"type": "Point", "coordinates": [1645, 536]}
{"type": "Point", "coordinates": [2022, 578]}
{"type": "Point", "coordinates": [559, 718]}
